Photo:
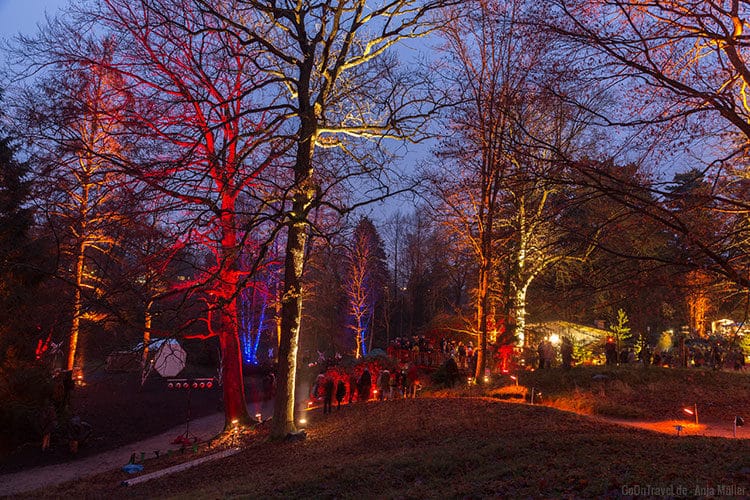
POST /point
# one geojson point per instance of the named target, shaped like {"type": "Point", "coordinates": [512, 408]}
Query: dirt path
{"type": "Point", "coordinates": [711, 429]}
{"type": "Point", "coordinates": [39, 477]}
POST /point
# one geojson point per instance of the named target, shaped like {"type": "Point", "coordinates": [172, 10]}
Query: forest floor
{"type": "Point", "coordinates": [417, 448]}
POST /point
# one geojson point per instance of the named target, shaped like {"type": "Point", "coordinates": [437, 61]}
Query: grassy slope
{"type": "Point", "coordinates": [447, 448]}
{"type": "Point", "coordinates": [633, 392]}
{"type": "Point", "coordinates": [651, 394]}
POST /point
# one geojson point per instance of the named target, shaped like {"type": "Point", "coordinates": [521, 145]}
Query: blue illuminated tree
{"type": "Point", "coordinates": [366, 278]}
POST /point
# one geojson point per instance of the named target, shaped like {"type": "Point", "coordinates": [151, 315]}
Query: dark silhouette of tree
{"type": "Point", "coordinates": [25, 382]}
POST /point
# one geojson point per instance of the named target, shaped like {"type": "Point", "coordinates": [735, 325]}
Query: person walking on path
{"type": "Point", "coordinates": [352, 386]}
{"type": "Point", "coordinates": [413, 377]}
{"type": "Point", "coordinates": [451, 370]}
{"type": "Point", "coordinates": [566, 352]}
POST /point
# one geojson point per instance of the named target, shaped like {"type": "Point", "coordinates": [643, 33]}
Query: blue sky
{"type": "Point", "coordinates": [22, 15]}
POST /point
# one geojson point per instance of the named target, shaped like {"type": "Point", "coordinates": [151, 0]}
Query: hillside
{"type": "Point", "coordinates": [449, 447]}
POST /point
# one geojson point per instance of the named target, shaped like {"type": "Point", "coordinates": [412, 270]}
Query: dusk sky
{"type": "Point", "coordinates": [22, 15]}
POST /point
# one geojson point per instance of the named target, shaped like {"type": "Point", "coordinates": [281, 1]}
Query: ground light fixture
{"type": "Point", "coordinates": [692, 412]}
{"type": "Point", "coordinates": [235, 431]}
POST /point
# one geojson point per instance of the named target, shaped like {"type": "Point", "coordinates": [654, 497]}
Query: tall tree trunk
{"type": "Point", "coordinates": [482, 311]}
{"type": "Point", "coordinates": [235, 405]}
{"type": "Point", "coordinates": [147, 316]}
{"type": "Point", "coordinates": [519, 304]}
{"type": "Point", "coordinates": [294, 260]}
{"type": "Point", "coordinates": [291, 315]}
{"type": "Point", "coordinates": [77, 305]}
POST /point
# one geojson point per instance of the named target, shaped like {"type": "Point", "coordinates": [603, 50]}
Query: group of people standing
{"type": "Point", "coordinates": [362, 385]}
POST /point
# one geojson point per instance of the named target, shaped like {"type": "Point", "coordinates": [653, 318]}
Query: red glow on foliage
{"type": "Point", "coordinates": [42, 347]}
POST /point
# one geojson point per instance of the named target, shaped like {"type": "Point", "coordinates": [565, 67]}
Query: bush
{"type": "Point", "coordinates": [510, 392]}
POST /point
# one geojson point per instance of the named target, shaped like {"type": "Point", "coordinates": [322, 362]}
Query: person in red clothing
{"type": "Point", "coordinates": [412, 376]}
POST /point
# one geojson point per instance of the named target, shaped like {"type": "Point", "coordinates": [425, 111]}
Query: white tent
{"type": "Point", "coordinates": [170, 358]}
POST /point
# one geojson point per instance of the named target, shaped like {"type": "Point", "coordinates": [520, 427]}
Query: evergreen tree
{"type": "Point", "coordinates": [16, 276]}
{"type": "Point", "coordinates": [25, 384]}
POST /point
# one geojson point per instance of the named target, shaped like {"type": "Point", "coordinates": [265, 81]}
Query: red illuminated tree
{"type": "Point", "coordinates": [198, 124]}
{"type": "Point", "coordinates": [206, 112]}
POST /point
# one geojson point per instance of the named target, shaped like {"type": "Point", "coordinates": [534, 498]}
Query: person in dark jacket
{"type": "Point", "coordinates": [364, 385]}
{"type": "Point", "coordinates": [451, 371]}
{"type": "Point", "coordinates": [327, 394]}
{"type": "Point", "coordinates": [340, 393]}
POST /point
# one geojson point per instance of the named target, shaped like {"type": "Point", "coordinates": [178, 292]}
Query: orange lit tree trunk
{"type": "Point", "coordinates": [72, 129]}
{"type": "Point", "coordinates": [483, 293]}
{"type": "Point", "coordinates": [471, 191]}
{"type": "Point", "coordinates": [77, 305]}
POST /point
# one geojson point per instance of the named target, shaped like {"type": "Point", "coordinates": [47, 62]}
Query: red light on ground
{"type": "Point", "coordinates": [195, 385]}
{"type": "Point", "coordinates": [210, 384]}
{"type": "Point", "coordinates": [170, 385]}
{"type": "Point", "coordinates": [202, 385]}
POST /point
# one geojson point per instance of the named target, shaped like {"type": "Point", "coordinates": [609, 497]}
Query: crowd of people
{"type": "Point", "coordinates": [398, 375]}
{"type": "Point", "coordinates": [365, 382]}
{"type": "Point", "coordinates": [424, 352]}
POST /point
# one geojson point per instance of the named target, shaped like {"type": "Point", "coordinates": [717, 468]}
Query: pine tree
{"type": "Point", "coordinates": [620, 330]}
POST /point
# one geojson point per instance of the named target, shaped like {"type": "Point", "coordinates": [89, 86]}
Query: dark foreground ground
{"type": "Point", "coordinates": [120, 411]}
{"type": "Point", "coordinates": [451, 448]}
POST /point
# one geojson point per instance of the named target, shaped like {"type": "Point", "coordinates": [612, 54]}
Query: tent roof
{"type": "Point", "coordinates": [580, 333]}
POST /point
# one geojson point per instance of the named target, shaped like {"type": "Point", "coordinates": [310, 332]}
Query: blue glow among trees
{"type": "Point", "coordinates": [253, 306]}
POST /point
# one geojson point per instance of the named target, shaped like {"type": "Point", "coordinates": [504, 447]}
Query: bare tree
{"type": "Point", "coordinates": [365, 283]}
{"type": "Point", "coordinates": [199, 122]}
{"type": "Point", "coordinates": [681, 65]}
{"type": "Point", "coordinates": [500, 192]}
{"type": "Point", "coordinates": [67, 115]}
{"type": "Point", "coordinates": [329, 57]}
